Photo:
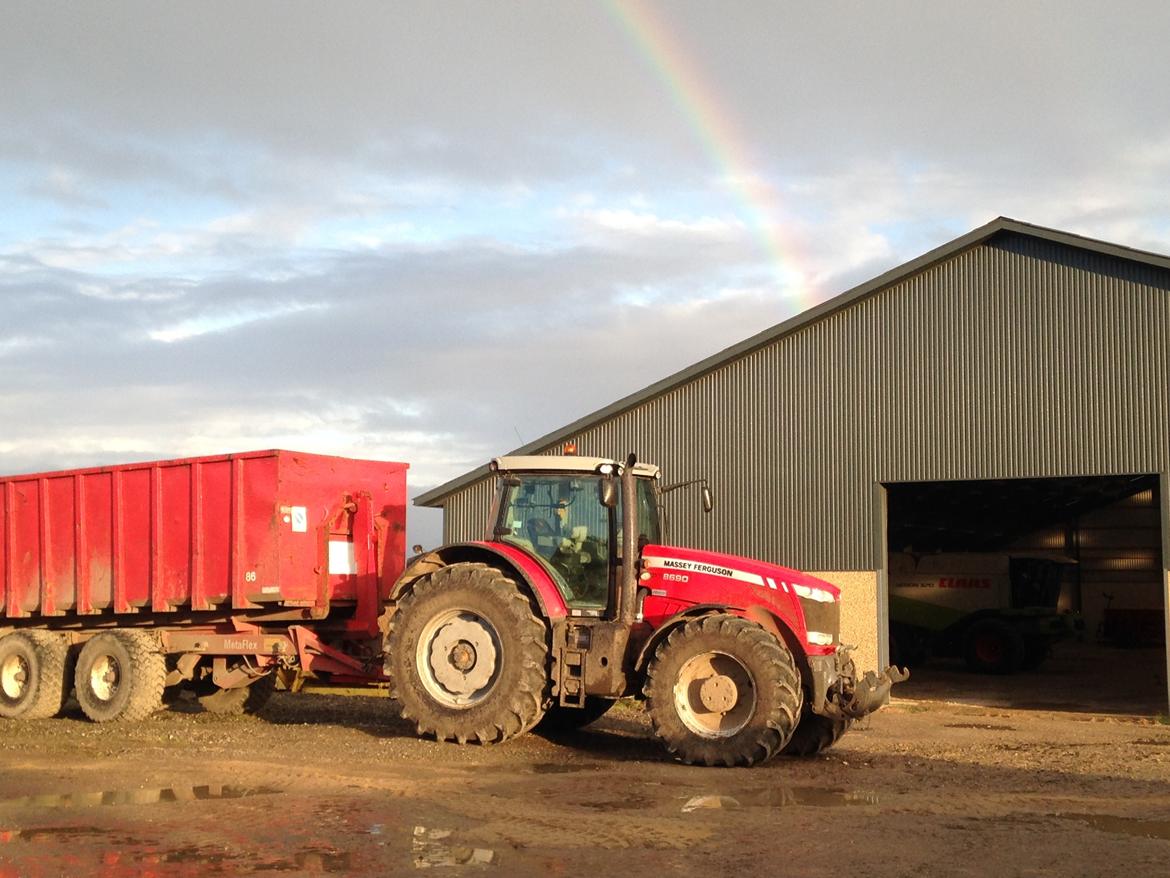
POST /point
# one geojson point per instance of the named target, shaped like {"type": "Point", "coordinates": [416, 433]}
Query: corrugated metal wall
{"type": "Point", "coordinates": [1019, 357]}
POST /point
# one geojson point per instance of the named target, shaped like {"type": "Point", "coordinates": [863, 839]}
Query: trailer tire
{"type": "Point", "coordinates": [467, 656]}
{"type": "Point", "coordinates": [120, 677]}
{"type": "Point", "coordinates": [991, 646]}
{"type": "Point", "coordinates": [248, 699]}
{"type": "Point", "coordinates": [563, 719]}
{"type": "Point", "coordinates": [723, 691]}
{"type": "Point", "coordinates": [32, 675]}
{"type": "Point", "coordinates": [815, 733]}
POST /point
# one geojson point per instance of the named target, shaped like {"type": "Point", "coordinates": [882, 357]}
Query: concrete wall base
{"type": "Point", "coordinates": [859, 613]}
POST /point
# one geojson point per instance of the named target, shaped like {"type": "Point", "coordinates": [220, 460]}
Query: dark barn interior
{"type": "Point", "coordinates": [1101, 537]}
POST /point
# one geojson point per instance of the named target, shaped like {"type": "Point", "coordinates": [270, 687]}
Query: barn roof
{"type": "Point", "coordinates": [978, 236]}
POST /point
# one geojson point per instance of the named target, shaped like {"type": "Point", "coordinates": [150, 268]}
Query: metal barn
{"type": "Point", "coordinates": [1010, 388]}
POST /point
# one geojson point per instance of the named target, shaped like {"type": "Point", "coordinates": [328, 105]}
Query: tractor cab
{"type": "Point", "coordinates": [566, 513]}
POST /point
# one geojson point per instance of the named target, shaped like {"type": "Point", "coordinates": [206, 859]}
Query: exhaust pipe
{"type": "Point", "coordinates": [629, 580]}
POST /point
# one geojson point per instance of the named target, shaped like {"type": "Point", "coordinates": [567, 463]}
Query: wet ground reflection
{"type": "Point", "coordinates": [137, 797]}
{"type": "Point", "coordinates": [782, 797]}
{"type": "Point", "coordinates": [1123, 825]}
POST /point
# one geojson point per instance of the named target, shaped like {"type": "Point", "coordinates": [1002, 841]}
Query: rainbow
{"type": "Point", "coordinates": [698, 103]}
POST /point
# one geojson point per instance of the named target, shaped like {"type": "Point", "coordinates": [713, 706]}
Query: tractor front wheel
{"type": "Point", "coordinates": [723, 691]}
{"type": "Point", "coordinates": [467, 656]}
{"type": "Point", "coordinates": [815, 733]}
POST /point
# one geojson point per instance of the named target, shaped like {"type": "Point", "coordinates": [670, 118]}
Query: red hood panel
{"type": "Point", "coordinates": [748, 571]}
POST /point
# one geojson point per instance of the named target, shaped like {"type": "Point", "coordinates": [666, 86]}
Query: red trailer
{"type": "Point", "coordinates": [204, 572]}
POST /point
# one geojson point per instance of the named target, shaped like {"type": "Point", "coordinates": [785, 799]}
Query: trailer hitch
{"type": "Point", "coordinates": [871, 691]}
{"type": "Point", "coordinates": [838, 694]}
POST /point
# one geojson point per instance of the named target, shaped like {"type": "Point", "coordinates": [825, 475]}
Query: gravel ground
{"type": "Point", "coordinates": [324, 784]}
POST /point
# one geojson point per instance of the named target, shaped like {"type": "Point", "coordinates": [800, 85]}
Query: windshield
{"type": "Point", "coordinates": [560, 520]}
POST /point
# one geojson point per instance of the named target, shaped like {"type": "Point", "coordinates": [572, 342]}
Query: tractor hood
{"type": "Point", "coordinates": [733, 574]}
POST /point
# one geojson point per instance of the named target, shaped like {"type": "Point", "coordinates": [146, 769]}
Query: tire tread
{"type": "Point", "coordinates": [758, 742]}
{"type": "Point", "coordinates": [520, 708]}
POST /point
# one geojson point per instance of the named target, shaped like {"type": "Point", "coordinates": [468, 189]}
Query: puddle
{"type": "Point", "coordinates": [989, 727]}
{"type": "Point", "coordinates": [706, 803]}
{"type": "Point", "coordinates": [139, 797]}
{"type": "Point", "coordinates": [1123, 825]}
{"type": "Point", "coordinates": [783, 797]}
{"type": "Point", "coordinates": [433, 847]}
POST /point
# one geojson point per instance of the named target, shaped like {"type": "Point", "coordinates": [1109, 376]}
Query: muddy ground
{"type": "Point", "coordinates": [324, 784]}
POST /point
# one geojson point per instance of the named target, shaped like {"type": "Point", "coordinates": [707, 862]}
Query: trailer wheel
{"type": "Point", "coordinates": [992, 646]}
{"type": "Point", "coordinates": [563, 719]}
{"type": "Point", "coordinates": [32, 675]}
{"type": "Point", "coordinates": [815, 733]}
{"type": "Point", "coordinates": [248, 699]}
{"type": "Point", "coordinates": [120, 677]}
{"type": "Point", "coordinates": [467, 656]}
{"type": "Point", "coordinates": [723, 691]}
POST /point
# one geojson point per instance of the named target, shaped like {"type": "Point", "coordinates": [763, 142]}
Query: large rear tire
{"type": "Point", "coordinates": [467, 656]}
{"type": "Point", "coordinates": [815, 733]}
{"type": "Point", "coordinates": [120, 677]}
{"type": "Point", "coordinates": [723, 691]}
{"type": "Point", "coordinates": [32, 675]}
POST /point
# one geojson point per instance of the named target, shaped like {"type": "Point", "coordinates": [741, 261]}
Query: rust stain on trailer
{"type": "Point", "coordinates": [101, 581]}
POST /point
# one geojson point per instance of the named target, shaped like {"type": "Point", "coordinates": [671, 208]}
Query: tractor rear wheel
{"type": "Point", "coordinates": [467, 656]}
{"type": "Point", "coordinates": [815, 733]}
{"type": "Point", "coordinates": [723, 691]}
{"type": "Point", "coordinates": [32, 675]}
{"type": "Point", "coordinates": [120, 676]}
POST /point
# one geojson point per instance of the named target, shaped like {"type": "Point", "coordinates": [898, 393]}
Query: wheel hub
{"type": "Point", "coordinates": [714, 694]}
{"type": "Point", "coordinates": [13, 677]}
{"type": "Point", "coordinates": [104, 677]}
{"type": "Point", "coordinates": [461, 658]}
{"type": "Point", "coordinates": [718, 693]}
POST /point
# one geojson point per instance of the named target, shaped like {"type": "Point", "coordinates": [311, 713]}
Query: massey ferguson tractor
{"type": "Point", "coordinates": [572, 600]}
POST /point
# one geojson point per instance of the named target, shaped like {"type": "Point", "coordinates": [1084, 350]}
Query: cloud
{"type": "Point", "coordinates": [389, 231]}
{"type": "Point", "coordinates": [225, 321]}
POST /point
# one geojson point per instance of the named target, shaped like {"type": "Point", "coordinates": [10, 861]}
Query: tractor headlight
{"type": "Point", "coordinates": [819, 595]}
{"type": "Point", "coordinates": [820, 638]}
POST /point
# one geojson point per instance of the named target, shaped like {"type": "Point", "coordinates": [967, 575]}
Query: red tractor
{"type": "Point", "coordinates": [572, 600]}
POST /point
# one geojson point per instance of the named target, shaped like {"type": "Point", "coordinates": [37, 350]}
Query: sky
{"type": "Point", "coordinates": [433, 232]}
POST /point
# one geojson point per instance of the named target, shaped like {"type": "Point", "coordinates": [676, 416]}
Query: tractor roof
{"type": "Point", "coordinates": [566, 463]}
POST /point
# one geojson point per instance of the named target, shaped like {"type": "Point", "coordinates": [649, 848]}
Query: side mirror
{"type": "Point", "coordinates": [607, 492]}
{"type": "Point", "coordinates": [708, 502]}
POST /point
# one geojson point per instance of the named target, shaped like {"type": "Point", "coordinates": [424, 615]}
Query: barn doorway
{"type": "Point", "coordinates": [1030, 593]}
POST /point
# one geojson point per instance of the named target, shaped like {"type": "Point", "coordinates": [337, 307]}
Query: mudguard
{"type": "Point", "coordinates": [528, 571]}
